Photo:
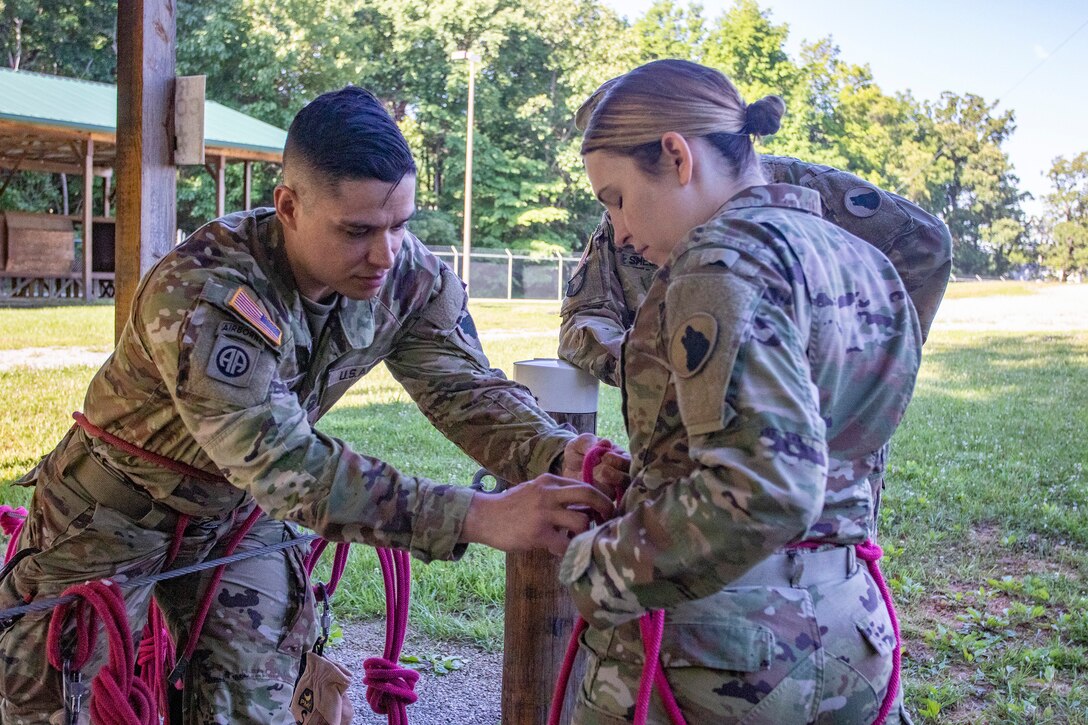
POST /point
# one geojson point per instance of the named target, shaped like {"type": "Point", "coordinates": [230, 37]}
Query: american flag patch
{"type": "Point", "coordinates": [249, 311]}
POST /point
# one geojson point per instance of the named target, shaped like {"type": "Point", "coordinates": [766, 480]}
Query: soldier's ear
{"type": "Point", "coordinates": [677, 158]}
{"type": "Point", "coordinates": [286, 202]}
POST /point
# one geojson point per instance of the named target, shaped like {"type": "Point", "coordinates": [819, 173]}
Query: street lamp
{"type": "Point", "coordinates": [472, 59]}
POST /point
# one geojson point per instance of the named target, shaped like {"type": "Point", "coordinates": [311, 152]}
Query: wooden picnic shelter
{"type": "Point", "coordinates": [69, 126]}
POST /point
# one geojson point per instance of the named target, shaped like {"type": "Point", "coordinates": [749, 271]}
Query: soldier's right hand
{"type": "Point", "coordinates": [538, 514]}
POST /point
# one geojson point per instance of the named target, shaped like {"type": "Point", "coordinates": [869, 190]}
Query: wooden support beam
{"type": "Point", "coordinates": [88, 219]}
{"type": "Point", "coordinates": [106, 196]}
{"type": "Point", "coordinates": [16, 163]}
{"type": "Point", "coordinates": [146, 177]}
{"type": "Point", "coordinates": [247, 184]}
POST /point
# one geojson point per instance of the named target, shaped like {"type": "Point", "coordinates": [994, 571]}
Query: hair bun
{"type": "Point", "coordinates": [764, 117]}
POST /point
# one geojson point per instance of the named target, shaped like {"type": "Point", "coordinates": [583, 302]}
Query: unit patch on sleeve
{"type": "Point", "coordinates": [862, 201]}
{"type": "Point", "coordinates": [232, 361]}
{"type": "Point", "coordinates": [692, 344]}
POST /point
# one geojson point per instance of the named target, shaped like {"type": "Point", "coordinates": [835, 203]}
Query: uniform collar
{"type": "Point", "coordinates": [780, 196]}
{"type": "Point", "coordinates": [785, 196]}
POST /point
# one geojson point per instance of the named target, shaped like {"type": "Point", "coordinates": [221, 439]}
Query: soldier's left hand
{"type": "Point", "coordinates": [611, 475]}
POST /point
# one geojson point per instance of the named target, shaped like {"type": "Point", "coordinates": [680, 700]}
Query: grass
{"type": "Point", "coordinates": [984, 522]}
{"type": "Point", "coordinates": [993, 288]}
{"type": "Point", "coordinates": [68, 325]}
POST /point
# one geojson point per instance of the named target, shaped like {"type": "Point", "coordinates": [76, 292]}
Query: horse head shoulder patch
{"type": "Point", "coordinates": [692, 344]}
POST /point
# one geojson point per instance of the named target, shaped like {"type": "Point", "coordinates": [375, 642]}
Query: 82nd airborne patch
{"type": "Point", "coordinates": [232, 361]}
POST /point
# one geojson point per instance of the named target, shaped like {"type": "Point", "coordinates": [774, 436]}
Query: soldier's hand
{"type": "Point", "coordinates": [612, 475]}
{"type": "Point", "coordinates": [543, 513]}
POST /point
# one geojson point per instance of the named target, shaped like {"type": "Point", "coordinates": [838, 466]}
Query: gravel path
{"type": "Point", "coordinates": [469, 696]}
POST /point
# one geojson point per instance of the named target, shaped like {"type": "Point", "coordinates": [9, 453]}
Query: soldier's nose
{"type": "Point", "coordinates": [383, 252]}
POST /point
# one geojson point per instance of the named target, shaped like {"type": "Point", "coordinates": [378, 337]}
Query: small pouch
{"type": "Point", "coordinates": [321, 692]}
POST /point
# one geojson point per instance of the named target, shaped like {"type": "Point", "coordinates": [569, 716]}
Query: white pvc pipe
{"type": "Point", "coordinates": [558, 386]}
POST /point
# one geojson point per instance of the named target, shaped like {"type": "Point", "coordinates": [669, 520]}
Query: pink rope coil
{"type": "Point", "coordinates": [11, 521]}
{"type": "Point", "coordinates": [117, 696]}
{"type": "Point", "coordinates": [652, 627]}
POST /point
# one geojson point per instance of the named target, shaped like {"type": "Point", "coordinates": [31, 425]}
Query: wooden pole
{"type": "Point", "coordinates": [105, 196]}
{"type": "Point", "coordinates": [146, 177]}
{"type": "Point", "coordinates": [88, 219]}
{"type": "Point", "coordinates": [221, 186]}
{"type": "Point", "coordinates": [247, 185]}
{"type": "Point", "coordinates": [539, 613]}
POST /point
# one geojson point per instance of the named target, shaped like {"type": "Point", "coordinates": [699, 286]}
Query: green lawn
{"type": "Point", "coordinates": [984, 522]}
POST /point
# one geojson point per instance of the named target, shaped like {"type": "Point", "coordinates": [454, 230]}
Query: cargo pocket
{"type": "Point", "coordinates": [859, 641]}
{"type": "Point", "coordinates": [736, 646]}
{"type": "Point", "coordinates": [298, 633]}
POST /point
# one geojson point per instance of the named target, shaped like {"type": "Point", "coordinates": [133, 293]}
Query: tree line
{"type": "Point", "coordinates": [540, 60]}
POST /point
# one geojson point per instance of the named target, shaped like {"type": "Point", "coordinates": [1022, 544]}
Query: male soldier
{"type": "Point", "coordinates": [239, 340]}
{"type": "Point", "coordinates": [611, 281]}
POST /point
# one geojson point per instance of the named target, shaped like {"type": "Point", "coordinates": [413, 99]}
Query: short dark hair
{"type": "Point", "coordinates": [348, 134]}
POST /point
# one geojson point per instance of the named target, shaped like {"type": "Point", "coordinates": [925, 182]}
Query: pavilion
{"type": "Point", "coordinates": [69, 126]}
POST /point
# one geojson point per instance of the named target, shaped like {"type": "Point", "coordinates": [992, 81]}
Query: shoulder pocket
{"type": "Point", "coordinates": [706, 317]}
{"type": "Point", "coordinates": [222, 360]}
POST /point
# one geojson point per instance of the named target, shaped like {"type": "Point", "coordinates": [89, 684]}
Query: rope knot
{"type": "Point", "coordinates": [11, 519]}
{"type": "Point", "coordinates": [388, 685]}
{"type": "Point", "coordinates": [868, 551]}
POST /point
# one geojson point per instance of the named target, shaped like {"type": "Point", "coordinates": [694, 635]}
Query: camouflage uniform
{"type": "Point", "coordinates": [198, 379]}
{"type": "Point", "coordinates": [609, 284]}
{"type": "Point", "coordinates": [767, 368]}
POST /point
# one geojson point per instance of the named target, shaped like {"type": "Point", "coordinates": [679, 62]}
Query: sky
{"type": "Point", "coordinates": [1032, 56]}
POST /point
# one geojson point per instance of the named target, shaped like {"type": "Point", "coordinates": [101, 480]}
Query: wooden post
{"type": "Point", "coordinates": [247, 184]}
{"type": "Point", "coordinates": [221, 186]}
{"type": "Point", "coordinates": [539, 613]}
{"type": "Point", "coordinates": [105, 196]}
{"type": "Point", "coordinates": [88, 219]}
{"type": "Point", "coordinates": [146, 176]}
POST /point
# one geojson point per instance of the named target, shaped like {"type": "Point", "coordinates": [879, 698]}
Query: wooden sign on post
{"type": "Point", "coordinates": [539, 612]}
{"type": "Point", "coordinates": [189, 120]}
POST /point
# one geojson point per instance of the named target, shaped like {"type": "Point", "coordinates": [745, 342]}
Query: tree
{"type": "Point", "coordinates": [1065, 250]}
{"type": "Point", "coordinates": [961, 172]}
{"type": "Point", "coordinates": [670, 31]}
{"type": "Point", "coordinates": [75, 38]}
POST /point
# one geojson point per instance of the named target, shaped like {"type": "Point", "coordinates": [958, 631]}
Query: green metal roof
{"type": "Point", "coordinates": [89, 106]}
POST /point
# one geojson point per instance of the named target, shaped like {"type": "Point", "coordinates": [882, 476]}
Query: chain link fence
{"type": "Point", "coordinates": [508, 276]}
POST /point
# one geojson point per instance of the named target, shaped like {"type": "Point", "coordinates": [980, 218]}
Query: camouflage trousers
{"type": "Point", "coordinates": [813, 647]}
{"type": "Point", "coordinates": [260, 622]}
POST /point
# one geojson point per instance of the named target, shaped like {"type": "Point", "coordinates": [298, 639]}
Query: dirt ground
{"type": "Point", "coordinates": [469, 696]}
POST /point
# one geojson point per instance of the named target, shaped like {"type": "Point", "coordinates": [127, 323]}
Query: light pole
{"type": "Point", "coordinates": [472, 59]}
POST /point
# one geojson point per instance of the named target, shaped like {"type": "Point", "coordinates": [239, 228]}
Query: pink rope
{"type": "Point", "coordinates": [156, 652]}
{"type": "Point", "coordinates": [182, 469]}
{"type": "Point", "coordinates": [11, 521]}
{"type": "Point", "coordinates": [870, 553]}
{"type": "Point", "coordinates": [117, 696]}
{"type": "Point", "coordinates": [209, 595]}
{"type": "Point", "coordinates": [652, 627]}
{"type": "Point", "coordinates": [391, 688]}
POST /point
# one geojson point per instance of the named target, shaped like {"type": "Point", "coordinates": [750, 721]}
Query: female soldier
{"type": "Point", "coordinates": [767, 368]}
